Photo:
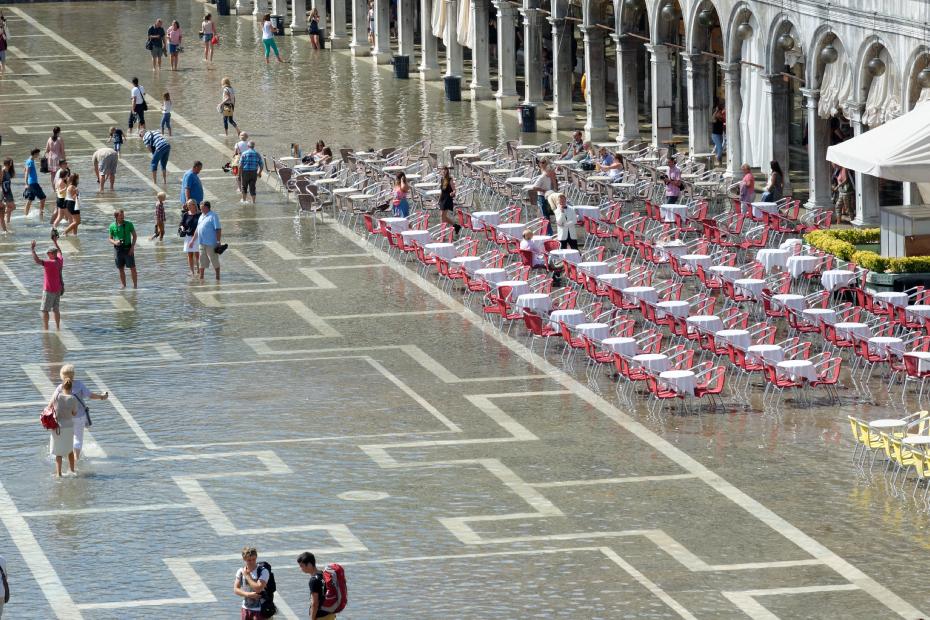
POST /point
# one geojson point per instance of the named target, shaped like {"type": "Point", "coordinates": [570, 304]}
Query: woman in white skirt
{"type": "Point", "coordinates": [82, 393]}
{"type": "Point", "coordinates": [188, 227]}
{"type": "Point", "coordinates": [65, 405]}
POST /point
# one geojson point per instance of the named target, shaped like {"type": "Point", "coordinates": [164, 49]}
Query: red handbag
{"type": "Point", "coordinates": [48, 420]}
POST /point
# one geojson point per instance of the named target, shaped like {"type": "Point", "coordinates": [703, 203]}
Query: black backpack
{"type": "Point", "coordinates": [267, 598]}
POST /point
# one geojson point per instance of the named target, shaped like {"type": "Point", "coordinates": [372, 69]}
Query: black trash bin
{"type": "Point", "coordinates": [401, 67]}
{"type": "Point", "coordinates": [528, 118]}
{"type": "Point", "coordinates": [453, 87]}
{"type": "Point", "coordinates": [278, 22]}
{"type": "Point", "coordinates": [222, 7]}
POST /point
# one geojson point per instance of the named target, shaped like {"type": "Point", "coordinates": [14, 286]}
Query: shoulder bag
{"type": "Point", "coordinates": [86, 410]}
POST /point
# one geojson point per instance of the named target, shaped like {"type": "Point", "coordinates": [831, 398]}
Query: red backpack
{"type": "Point", "coordinates": [335, 592]}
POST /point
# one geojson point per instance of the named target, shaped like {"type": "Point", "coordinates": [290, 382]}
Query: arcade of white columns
{"type": "Point", "coordinates": [660, 64]}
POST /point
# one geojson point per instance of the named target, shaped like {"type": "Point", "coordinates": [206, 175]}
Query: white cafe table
{"type": "Point", "coordinates": [518, 287]}
{"type": "Point", "coordinates": [586, 211]}
{"type": "Point", "coordinates": [569, 317]}
{"type": "Point", "coordinates": [858, 329]}
{"type": "Point", "coordinates": [396, 224]}
{"type": "Point", "coordinates": [624, 345]}
{"type": "Point", "coordinates": [668, 212]}
{"type": "Point", "coordinates": [568, 255]}
{"type": "Point", "coordinates": [594, 331]}
{"type": "Point", "coordinates": [491, 275]}
{"type": "Point", "coordinates": [645, 293]}
{"type": "Point", "coordinates": [893, 298]}
{"type": "Point", "coordinates": [327, 181]}
{"type": "Point", "coordinates": [772, 258]}
{"type": "Point", "coordinates": [682, 381]}
{"type": "Point", "coordinates": [518, 180]}
{"type": "Point", "coordinates": [616, 281]}
{"type": "Point", "coordinates": [771, 353]}
{"type": "Point", "coordinates": [726, 271]}
{"type": "Point", "coordinates": [695, 260]}
{"type": "Point", "coordinates": [442, 250]}
{"type": "Point", "coordinates": [470, 263]}
{"type": "Point", "coordinates": [571, 163]}
{"type": "Point", "coordinates": [595, 268]}
{"type": "Point", "coordinates": [882, 345]}
{"type": "Point", "coordinates": [514, 230]}
{"type": "Point", "coordinates": [484, 163]}
{"type": "Point", "coordinates": [916, 440]}
{"type": "Point", "coordinates": [921, 311]}
{"type": "Point", "coordinates": [816, 316]}
{"type": "Point", "coordinates": [794, 245]}
{"type": "Point", "coordinates": [799, 265]}
{"type": "Point", "coordinates": [480, 218]}
{"type": "Point", "coordinates": [739, 338]}
{"type": "Point", "coordinates": [420, 236]}
{"type": "Point", "coordinates": [705, 323]}
{"type": "Point", "coordinates": [750, 286]}
{"type": "Point", "coordinates": [887, 423]}
{"type": "Point", "coordinates": [836, 278]}
{"type": "Point", "coordinates": [656, 362]}
{"type": "Point", "coordinates": [798, 369]}
{"type": "Point", "coordinates": [674, 307]}
{"type": "Point", "coordinates": [393, 169]}
{"type": "Point", "coordinates": [923, 360]}
{"type": "Point", "coordinates": [537, 302]}
{"type": "Point", "coordinates": [675, 248]}
{"type": "Point", "coordinates": [542, 238]}
{"type": "Point", "coordinates": [791, 301]}
{"type": "Point", "coordinates": [758, 208]}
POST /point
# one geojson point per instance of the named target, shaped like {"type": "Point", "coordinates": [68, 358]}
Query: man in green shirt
{"type": "Point", "coordinates": [123, 240]}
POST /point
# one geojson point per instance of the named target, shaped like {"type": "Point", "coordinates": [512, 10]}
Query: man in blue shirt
{"type": "Point", "coordinates": [250, 170]}
{"type": "Point", "coordinates": [208, 235]}
{"type": "Point", "coordinates": [33, 190]}
{"type": "Point", "coordinates": [191, 188]}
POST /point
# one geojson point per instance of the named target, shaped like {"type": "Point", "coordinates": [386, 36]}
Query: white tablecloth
{"type": "Point", "coordinates": [569, 317]}
{"type": "Point", "coordinates": [892, 297]}
{"type": "Point", "coordinates": [923, 364]}
{"type": "Point", "coordinates": [816, 316]}
{"type": "Point", "coordinates": [491, 274]}
{"type": "Point", "coordinates": [514, 230]}
{"type": "Point", "coordinates": [586, 211]}
{"type": "Point", "coordinates": [537, 302]}
{"type": "Point", "coordinates": [706, 323]}
{"type": "Point", "coordinates": [790, 300]}
{"type": "Point", "coordinates": [921, 311]}
{"type": "Point", "coordinates": [675, 308]}
{"type": "Point", "coordinates": [883, 344]}
{"type": "Point", "coordinates": [668, 212]}
{"type": "Point", "coordinates": [682, 381]}
{"type": "Point", "coordinates": [470, 263]}
{"type": "Point", "coordinates": [595, 268]}
{"type": "Point", "coordinates": [792, 245]}
{"type": "Point", "coordinates": [646, 293]}
{"type": "Point", "coordinates": [675, 248]}
{"type": "Point", "coordinates": [859, 329]}
{"type": "Point", "coordinates": [420, 236]}
{"type": "Point", "coordinates": [617, 281]}
{"type": "Point", "coordinates": [758, 208]}
{"type": "Point", "coordinates": [518, 287]}
{"type": "Point", "coordinates": [480, 218]}
{"type": "Point", "coordinates": [656, 362]}
{"type": "Point", "coordinates": [442, 250]}
{"type": "Point", "coordinates": [568, 254]}
{"type": "Point", "coordinates": [798, 369]}
{"type": "Point", "coordinates": [739, 338]}
{"type": "Point", "coordinates": [594, 331]}
{"type": "Point", "coordinates": [623, 345]}
{"type": "Point", "coordinates": [704, 260]}
{"type": "Point", "coordinates": [771, 353]}
{"type": "Point", "coordinates": [727, 272]}
{"type": "Point", "coordinates": [836, 278]}
{"type": "Point", "coordinates": [396, 224]}
{"type": "Point", "coordinates": [772, 258]}
{"type": "Point", "coordinates": [798, 265]}
{"type": "Point", "coordinates": [750, 286]}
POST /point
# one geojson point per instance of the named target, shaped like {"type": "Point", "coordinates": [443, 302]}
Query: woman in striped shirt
{"type": "Point", "coordinates": [160, 148]}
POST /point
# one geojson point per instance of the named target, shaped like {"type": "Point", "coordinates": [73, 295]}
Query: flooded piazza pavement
{"type": "Point", "coordinates": [324, 399]}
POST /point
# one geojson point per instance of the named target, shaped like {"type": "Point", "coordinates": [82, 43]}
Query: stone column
{"type": "Point", "coordinates": [661, 95]}
{"type": "Point", "coordinates": [562, 32]}
{"type": "Point", "coordinates": [405, 27]}
{"type": "Point", "coordinates": [320, 6]}
{"type": "Point", "coordinates": [382, 51]}
{"type": "Point", "coordinates": [261, 7]}
{"type": "Point", "coordinates": [338, 35]}
{"type": "Point", "coordinates": [429, 53]}
{"type": "Point", "coordinates": [278, 7]}
{"type": "Point", "coordinates": [243, 7]}
{"type": "Point", "coordinates": [299, 16]}
{"type": "Point", "coordinates": [506, 96]}
{"type": "Point", "coordinates": [454, 64]}
{"type": "Point", "coordinates": [867, 213]}
{"type": "Point", "coordinates": [627, 90]}
{"type": "Point", "coordinates": [818, 138]}
{"type": "Point", "coordinates": [480, 54]}
{"type": "Point", "coordinates": [734, 107]}
{"type": "Point", "coordinates": [700, 104]}
{"type": "Point", "coordinates": [359, 44]}
{"type": "Point", "coordinates": [532, 54]}
{"type": "Point", "coordinates": [595, 127]}
{"type": "Point", "coordinates": [778, 95]}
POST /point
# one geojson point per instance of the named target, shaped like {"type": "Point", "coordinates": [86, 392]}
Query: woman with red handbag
{"type": "Point", "coordinates": [64, 406]}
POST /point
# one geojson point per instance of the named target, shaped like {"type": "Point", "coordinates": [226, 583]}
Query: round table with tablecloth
{"type": "Point", "coordinates": [594, 268]}
{"type": "Point", "coordinates": [920, 311]}
{"type": "Point", "coordinates": [758, 208]}
{"type": "Point", "coordinates": [923, 360]}
{"type": "Point", "coordinates": [442, 250]}
{"type": "Point", "coordinates": [751, 287]}
{"type": "Point", "coordinates": [727, 272]}
{"type": "Point", "coordinates": [799, 265]}
{"type": "Point", "coordinates": [396, 224]}
{"type": "Point", "coordinates": [833, 279]}
{"type": "Point", "coordinates": [594, 331]}
{"type": "Point", "coordinates": [883, 345]}
{"type": "Point", "coordinates": [569, 317]}
{"type": "Point", "coordinates": [624, 345]}
{"type": "Point", "coordinates": [480, 218]}
{"type": "Point", "coordinates": [470, 263]}
{"type": "Point", "coordinates": [695, 260]}
{"type": "Point", "coordinates": [517, 287]}
{"type": "Point", "coordinates": [798, 369]}
{"type": "Point", "coordinates": [792, 245]}
{"type": "Point", "coordinates": [539, 303]}
{"type": "Point", "coordinates": [567, 255]}
{"type": "Point", "coordinates": [770, 353]}
{"type": "Point", "coordinates": [617, 281]}
{"type": "Point", "coordinates": [773, 259]}
{"type": "Point", "coordinates": [645, 293]}
{"type": "Point", "coordinates": [491, 274]}
{"type": "Point", "coordinates": [674, 248]}
{"type": "Point", "coordinates": [705, 323]}
{"type": "Point", "coordinates": [656, 362]}
{"type": "Point", "coordinates": [816, 316]}
{"type": "Point", "coordinates": [847, 328]}
{"type": "Point", "coordinates": [514, 230]}
{"type": "Point", "coordinates": [669, 211]}
{"type": "Point", "coordinates": [673, 307]}
{"type": "Point", "coordinates": [681, 381]}
{"type": "Point", "coordinates": [586, 211]}
{"type": "Point", "coordinates": [791, 301]}
{"type": "Point", "coordinates": [893, 298]}
{"type": "Point", "coordinates": [739, 338]}
{"type": "Point", "coordinates": [419, 236]}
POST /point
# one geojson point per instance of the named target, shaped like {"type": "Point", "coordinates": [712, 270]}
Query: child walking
{"type": "Point", "coordinates": [7, 174]}
{"type": "Point", "coordinates": [166, 114]}
{"type": "Point", "coordinates": [116, 137]}
{"type": "Point", "coordinates": [160, 216]}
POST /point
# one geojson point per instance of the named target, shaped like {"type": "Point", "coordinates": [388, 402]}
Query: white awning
{"type": "Point", "coordinates": [898, 150]}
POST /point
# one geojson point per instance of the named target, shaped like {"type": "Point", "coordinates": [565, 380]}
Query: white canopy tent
{"type": "Point", "coordinates": [898, 150]}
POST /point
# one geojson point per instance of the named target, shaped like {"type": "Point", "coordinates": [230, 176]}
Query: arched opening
{"type": "Point", "coordinates": [917, 91]}
{"type": "Point", "coordinates": [784, 83]}
{"type": "Point", "coordinates": [597, 21]}
{"type": "Point", "coordinates": [633, 69]}
{"type": "Point", "coordinates": [705, 82]}
{"type": "Point", "coordinates": [669, 83]}
{"type": "Point", "coordinates": [747, 121]}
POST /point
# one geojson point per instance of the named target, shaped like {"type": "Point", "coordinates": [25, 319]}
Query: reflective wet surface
{"type": "Point", "coordinates": [323, 399]}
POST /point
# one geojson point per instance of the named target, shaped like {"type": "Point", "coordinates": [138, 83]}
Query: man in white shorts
{"type": "Point", "coordinates": [208, 235]}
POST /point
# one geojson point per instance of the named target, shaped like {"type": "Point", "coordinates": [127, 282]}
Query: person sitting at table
{"type": "Point", "coordinates": [605, 158]}
{"type": "Point", "coordinates": [614, 170]}
{"type": "Point", "coordinates": [672, 180]}
{"type": "Point", "coordinates": [528, 244]}
{"type": "Point", "coordinates": [565, 220]}
{"type": "Point", "coordinates": [575, 147]}
{"type": "Point", "coordinates": [776, 185]}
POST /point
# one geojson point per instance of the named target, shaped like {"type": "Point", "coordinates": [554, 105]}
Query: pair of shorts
{"type": "Point", "coordinates": [125, 259]}
{"type": "Point", "coordinates": [7, 194]}
{"type": "Point", "coordinates": [173, 49]}
{"type": "Point", "coordinates": [250, 614]}
{"type": "Point", "coordinates": [207, 37]}
{"type": "Point", "coordinates": [60, 202]}
{"type": "Point", "coordinates": [208, 255]}
{"type": "Point", "coordinates": [2, 55]}
{"type": "Point", "coordinates": [157, 51]}
{"type": "Point", "coordinates": [34, 192]}
{"type": "Point", "coordinates": [160, 158]}
{"type": "Point", "coordinates": [50, 301]}
{"type": "Point", "coordinates": [72, 207]}
{"type": "Point", "coordinates": [247, 180]}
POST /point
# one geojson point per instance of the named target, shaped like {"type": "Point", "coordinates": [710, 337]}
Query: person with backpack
{"type": "Point", "coordinates": [328, 591]}
{"type": "Point", "coordinates": [255, 584]}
